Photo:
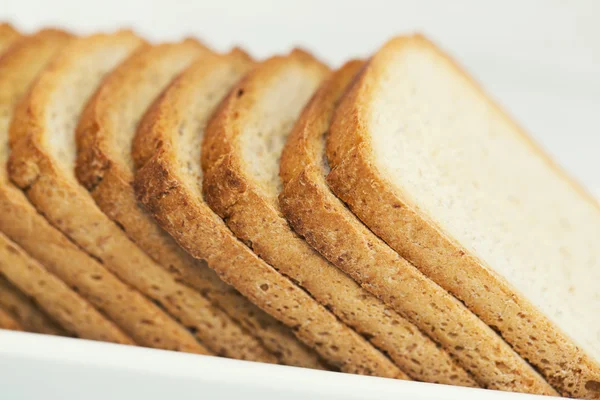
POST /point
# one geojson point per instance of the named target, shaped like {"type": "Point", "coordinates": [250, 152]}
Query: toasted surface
{"type": "Point", "coordinates": [314, 211]}
{"type": "Point", "coordinates": [169, 184]}
{"type": "Point", "coordinates": [455, 187]}
{"type": "Point", "coordinates": [104, 135]}
{"type": "Point", "coordinates": [44, 143]}
{"type": "Point", "coordinates": [65, 306]}
{"type": "Point", "coordinates": [186, 100]}
{"type": "Point", "coordinates": [7, 321]}
{"type": "Point", "coordinates": [8, 35]}
{"type": "Point", "coordinates": [25, 311]}
{"type": "Point", "coordinates": [249, 131]}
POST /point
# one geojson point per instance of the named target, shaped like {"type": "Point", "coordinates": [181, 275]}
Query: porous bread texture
{"type": "Point", "coordinates": [314, 211]}
{"type": "Point", "coordinates": [65, 306]}
{"type": "Point", "coordinates": [25, 311]}
{"type": "Point", "coordinates": [41, 163]}
{"type": "Point", "coordinates": [439, 172]}
{"type": "Point", "coordinates": [9, 322]}
{"type": "Point", "coordinates": [248, 131]}
{"type": "Point", "coordinates": [104, 135]}
{"type": "Point", "coordinates": [172, 193]}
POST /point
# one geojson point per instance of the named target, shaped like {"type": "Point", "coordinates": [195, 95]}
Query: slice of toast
{"type": "Point", "coordinates": [43, 142]}
{"type": "Point", "coordinates": [169, 183]}
{"type": "Point", "coordinates": [26, 312]}
{"type": "Point", "coordinates": [9, 322]}
{"type": "Point", "coordinates": [240, 155]}
{"type": "Point", "coordinates": [65, 306]}
{"type": "Point", "coordinates": [104, 136]}
{"type": "Point", "coordinates": [315, 213]}
{"type": "Point", "coordinates": [8, 36]}
{"type": "Point", "coordinates": [440, 173]}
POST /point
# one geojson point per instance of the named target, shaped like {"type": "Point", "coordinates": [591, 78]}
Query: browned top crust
{"type": "Point", "coordinates": [104, 135]}
{"type": "Point", "coordinates": [43, 136]}
{"type": "Point", "coordinates": [177, 204]}
{"type": "Point", "coordinates": [356, 180]}
{"type": "Point", "coordinates": [8, 35]}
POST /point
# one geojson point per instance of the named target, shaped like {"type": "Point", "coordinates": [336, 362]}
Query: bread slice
{"type": "Point", "coordinates": [25, 311]}
{"type": "Point", "coordinates": [8, 36]}
{"type": "Point", "coordinates": [104, 135]}
{"type": "Point", "coordinates": [316, 214]}
{"type": "Point", "coordinates": [440, 173]}
{"type": "Point", "coordinates": [65, 306]}
{"type": "Point", "coordinates": [169, 183]}
{"type": "Point", "coordinates": [42, 132]}
{"type": "Point", "coordinates": [246, 137]}
{"type": "Point", "coordinates": [7, 321]}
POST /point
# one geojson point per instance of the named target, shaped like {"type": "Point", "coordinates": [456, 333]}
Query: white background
{"type": "Point", "coordinates": [540, 59]}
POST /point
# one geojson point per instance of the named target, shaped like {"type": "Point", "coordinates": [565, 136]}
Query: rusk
{"type": "Point", "coordinates": [440, 173]}
{"type": "Point", "coordinates": [7, 321]}
{"type": "Point", "coordinates": [322, 219]}
{"type": "Point", "coordinates": [42, 162]}
{"type": "Point", "coordinates": [25, 311]}
{"type": "Point", "coordinates": [170, 185]}
{"type": "Point", "coordinates": [104, 166]}
{"type": "Point", "coordinates": [8, 36]}
{"type": "Point", "coordinates": [242, 148]}
{"type": "Point", "coordinates": [65, 306]}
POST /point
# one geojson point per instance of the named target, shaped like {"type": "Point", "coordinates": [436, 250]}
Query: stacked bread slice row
{"type": "Point", "coordinates": [172, 197]}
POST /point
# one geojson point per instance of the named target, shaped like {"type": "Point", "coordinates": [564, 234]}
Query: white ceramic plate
{"type": "Point", "coordinates": [37, 366]}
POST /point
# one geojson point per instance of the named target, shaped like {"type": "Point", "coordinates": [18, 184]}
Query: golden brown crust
{"type": "Point", "coordinates": [25, 311]}
{"type": "Point", "coordinates": [357, 182]}
{"type": "Point", "coordinates": [321, 219]}
{"type": "Point", "coordinates": [56, 194]}
{"type": "Point", "coordinates": [8, 36]}
{"type": "Point", "coordinates": [7, 321]}
{"type": "Point", "coordinates": [258, 222]}
{"type": "Point", "coordinates": [204, 235]}
{"type": "Point", "coordinates": [116, 107]}
{"type": "Point", "coordinates": [158, 126]}
{"type": "Point", "coordinates": [65, 306]}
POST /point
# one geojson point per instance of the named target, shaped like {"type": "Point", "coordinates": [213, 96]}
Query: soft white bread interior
{"type": "Point", "coordinates": [454, 185]}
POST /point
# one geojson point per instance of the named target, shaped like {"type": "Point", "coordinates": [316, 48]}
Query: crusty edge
{"type": "Point", "coordinates": [111, 189]}
{"type": "Point", "coordinates": [356, 181]}
{"type": "Point", "coordinates": [157, 126]}
{"type": "Point", "coordinates": [65, 306]}
{"type": "Point", "coordinates": [54, 193]}
{"type": "Point", "coordinates": [25, 311]}
{"type": "Point", "coordinates": [8, 36]}
{"type": "Point", "coordinates": [321, 219]}
{"type": "Point", "coordinates": [7, 321]}
{"type": "Point", "coordinates": [204, 235]}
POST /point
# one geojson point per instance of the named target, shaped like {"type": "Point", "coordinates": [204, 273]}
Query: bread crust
{"type": "Point", "coordinates": [256, 220]}
{"type": "Point", "coordinates": [106, 173]}
{"type": "Point", "coordinates": [69, 208]}
{"type": "Point", "coordinates": [7, 321]}
{"type": "Point", "coordinates": [357, 181]}
{"type": "Point", "coordinates": [71, 311]}
{"type": "Point", "coordinates": [182, 212]}
{"type": "Point", "coordinates": [8, 36]}
{"type": "Point", "coordinates": [25, 311]}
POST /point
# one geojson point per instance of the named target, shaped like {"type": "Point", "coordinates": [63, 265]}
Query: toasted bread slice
{"type": "Point", "coordinates": [65, 306]}
{"type": "Point", "coordinates": [7, 321]}
{"type": "Point", "coordinates": [104, 136]}
{"type": "Point", "coordinates": [25, 311]}
{"type": "Point", "coordinates": [275, 336]}
{"type": "Point", "coordinates": [240, 155]}
{"type": "Point", "coordinates": [441, 174]}
{"type": "Point", "coordinates": [170, 185]}
{"type": "Point", "coordinates": [8, 36]}
{"type": "Point", "coordinates": [42, 162]}
{"type": "Point", "coordinates": [314, 211]}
